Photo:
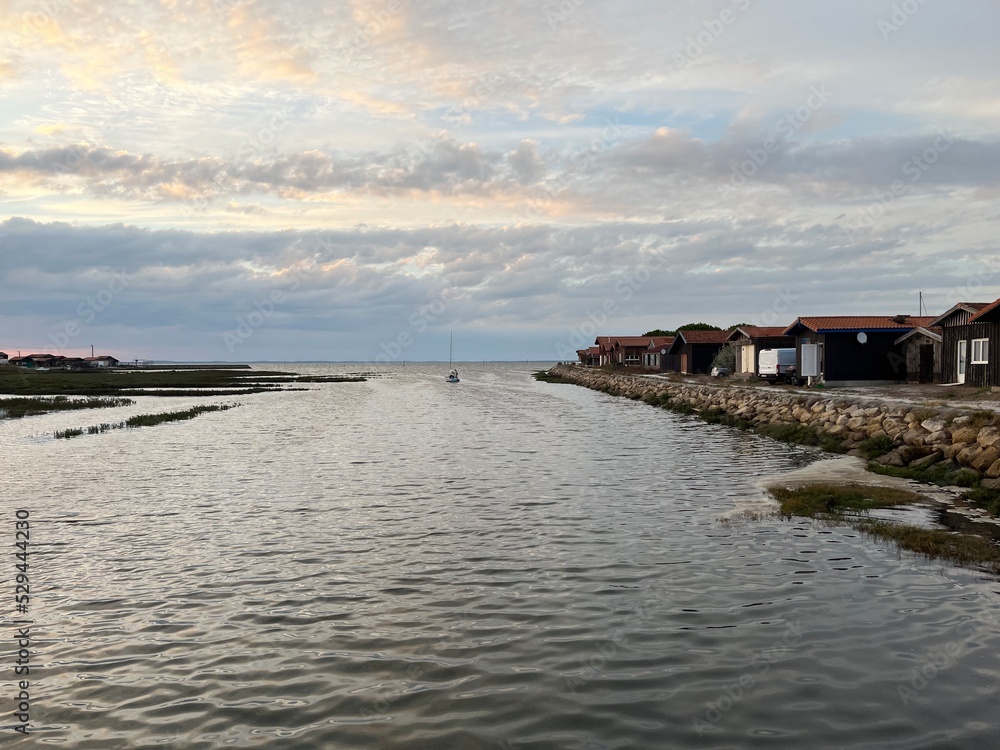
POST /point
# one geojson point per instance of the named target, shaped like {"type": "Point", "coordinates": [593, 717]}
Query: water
{"type": "Point", "coordinates": [497, 565]}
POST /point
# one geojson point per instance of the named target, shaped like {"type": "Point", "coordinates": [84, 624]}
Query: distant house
{"type": "Point", "coordinates": [605, 349]}
{"type": "Point", "coordinates": [591, 357]}
{"type": "Point", "coordinates": [695, 350]}
{"type": "Point", "coordinates": [628, 351]}
{"type": "Point", "coordinates": [856, 349]}
{"type": "Point", "coordinates": [658, 357]}
{"type": "Point", "coordinates": [74, 362]}
{"type": "Point", "coordinates": [959, 329]}
{"type": "Point", "coordinates": [922, 350]}
{"type": "Point", "coordinates": [101, 361]}
{"type": "Point", "coordinates": [4, 359]}
{"type": "Point", "coordinates": [750, 340]}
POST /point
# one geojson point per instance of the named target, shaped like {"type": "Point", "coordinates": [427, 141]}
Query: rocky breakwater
{"type": "Point", "coordinates": [945, 441]}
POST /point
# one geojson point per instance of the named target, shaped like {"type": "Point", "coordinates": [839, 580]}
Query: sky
{"type": "Point", "coordinates": [267, 180]}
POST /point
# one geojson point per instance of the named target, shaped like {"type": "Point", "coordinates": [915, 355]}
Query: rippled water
{"type": "Point", "coordinates": [500, 564]}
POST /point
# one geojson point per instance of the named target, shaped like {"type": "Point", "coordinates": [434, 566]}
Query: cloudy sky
{"type": "Point", "coordinates": [352, 179]}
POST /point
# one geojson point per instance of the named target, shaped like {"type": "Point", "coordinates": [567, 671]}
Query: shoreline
{"type": "Point", "coordinates": [914, 459]}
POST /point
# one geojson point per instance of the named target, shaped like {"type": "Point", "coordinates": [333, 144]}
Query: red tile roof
{"type": "Point", "coordinates": [821, 324]}
{"type": "Point", "coordinates": [985, 311]}
{"type": "Point", "coordinates": [762, 331]}
{"type": "Point", "coordinates": [642, 341]}
{"type": "Point", "coordinates": [658, 342]}
{"type": "Point", "coordinates": [704, 337]}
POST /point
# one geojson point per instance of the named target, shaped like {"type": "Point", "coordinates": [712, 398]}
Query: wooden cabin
{"type": "Point", "coordinates": [922, 350]}
{"type": "Point", "coordinates": [856, 349]}
{"type": "Point", "coordinates": [958, 331]}
{"type": "Point", "coordinates": [695, 350]}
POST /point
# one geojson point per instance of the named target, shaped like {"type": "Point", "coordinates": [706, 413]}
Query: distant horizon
{"type": "Point", "coordinates": [354, 181]}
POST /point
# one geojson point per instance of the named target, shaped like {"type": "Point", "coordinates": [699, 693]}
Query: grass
{"type": "Point", "coordinates": [145, 420]}
{"type": "Point", "coordinates": [849, 503]}
{"type": "Point", "coordinates": [962, 549]}
{"type": "Point", "coordinates": [876, 446]}
{"type": "Point", "coordinates": [831, 500]}
{"type": "Point", "coordinates": [20, 381]}
{"type": "Point", "coordinates": [544, 376]}
{"type": "Point", "coordinates": [984, 498]}
{"type": "Point", "coordinates": [942, 474]}
{"type": "Point", "coordinates": [17, 408]}
{"type": "Point", "coordinates": [800, 434]}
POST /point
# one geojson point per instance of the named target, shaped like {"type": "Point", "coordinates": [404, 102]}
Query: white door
{"type": "Point", "coordinates": [961, 361]}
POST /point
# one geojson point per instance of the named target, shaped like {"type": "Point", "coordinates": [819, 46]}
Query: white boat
{"type": "Point", "coordinates": [453, 375]}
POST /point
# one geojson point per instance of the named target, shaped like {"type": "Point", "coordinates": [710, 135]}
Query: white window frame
{"type": "Point", "coordinates": [980, 352]}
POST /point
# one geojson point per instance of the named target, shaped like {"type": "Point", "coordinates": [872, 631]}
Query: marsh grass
{"type": "Point", "coordinates": [20, 381]}
{"type": "Point", "coordinates": [543, 376]}
{"type": "Point", "coordinates": [942, 474]}
{"type": "Point", "coordinates": [145, 420]}
{"type": "Point", "coordinates": [17, 408]}
{"type": "Point", "coordinates": [850, 504]}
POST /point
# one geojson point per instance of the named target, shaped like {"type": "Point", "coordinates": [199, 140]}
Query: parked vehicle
{"type": "Point", "coordinates": [721, 372]}
{"type": "Point", "coordinates": [777, 365]}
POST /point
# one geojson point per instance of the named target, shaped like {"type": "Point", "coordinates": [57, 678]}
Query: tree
{"type": "Point", "coordinates": [660, 332]}
{"type": "Point", "coordinates": [698, 327]}
{"type": "Point", "coordinates": [739, 325]}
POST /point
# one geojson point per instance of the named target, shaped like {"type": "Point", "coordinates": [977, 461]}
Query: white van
{"type": "Point", "coordinates": [776, 365]}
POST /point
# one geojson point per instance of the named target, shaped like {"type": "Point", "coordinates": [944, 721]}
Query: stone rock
{"type": "Point", "coordinates": [988, 436]}
{"type": "Point", "coordinates": [926, 461]}
{"type": "Point", "coordinates": [915, 436]}
{"type": "Point", "coordinates": [986, 459]}
{"type": "Point", "coordinates": [993, 472]}
{"type": "Point", "coordinates": [937, 424]}
{"type": "Point", "coordinates": [990, 484]}
{"type": "Point", "coordinates": [856, 452]}
{"type": "Point", "coordinates": [876, 432]}
{"type": "Point", "coordinates": [942, 437]}
{"type": "Point", "coordinates": [857, 437]}
{"type": "Point", "coordinates": [856, 423]}
{"type": "Point", "coordinates": [951, 451]}
{"type": "Point", "coordinates": [964, 435]}
{"type": "Point", "coordinates": [891, 459]}
{"type": "Point", "coordinates": [968, 455]}
{"type": "Point", "coordinates": [959, 421]}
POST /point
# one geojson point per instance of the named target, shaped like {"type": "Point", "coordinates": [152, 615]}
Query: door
{"type": "Point", "coordinates": [961, 361]}
{"type": "Point", "coordinates": [926, 363]}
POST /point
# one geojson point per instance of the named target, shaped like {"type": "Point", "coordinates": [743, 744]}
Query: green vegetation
{"type": "Point", "coordinates": [547, 377]}
{"type": "Point", "coordinates": [831, 500]}
{"type": "Point", "coordinates": [876, 446]}
{"type": "Point", "coordinates": [943, 474]}
{"type": "Point", "coordinates": [725, 357]}
{"type": "Point", "coordinates": [145, 420]}
{"type": "Point", "coordinates": [16, 408]}
{"type": "Point", "coordinates": [685, 327]}
{"type": "Point", "coordinates": [987, 499]}
{"type": "Point", "coordinates": [962, 549]}
{"type": "Point", "coordinates": [102, 382]}
{"type": "Point", "coordinates": [800, 434]}
{"type": "Point", "coordinates": [848, 504]}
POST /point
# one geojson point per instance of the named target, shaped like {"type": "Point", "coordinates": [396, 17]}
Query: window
{"type": "Point", "coordinates": [980, 351]}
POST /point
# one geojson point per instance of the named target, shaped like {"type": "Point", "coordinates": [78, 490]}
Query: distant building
{"type": "Point", "coordinates": [4, 359]}
{"type": "Point", "coordinates": [101, 361]}
{"type": "Point", "coordinates": [695, 350]}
